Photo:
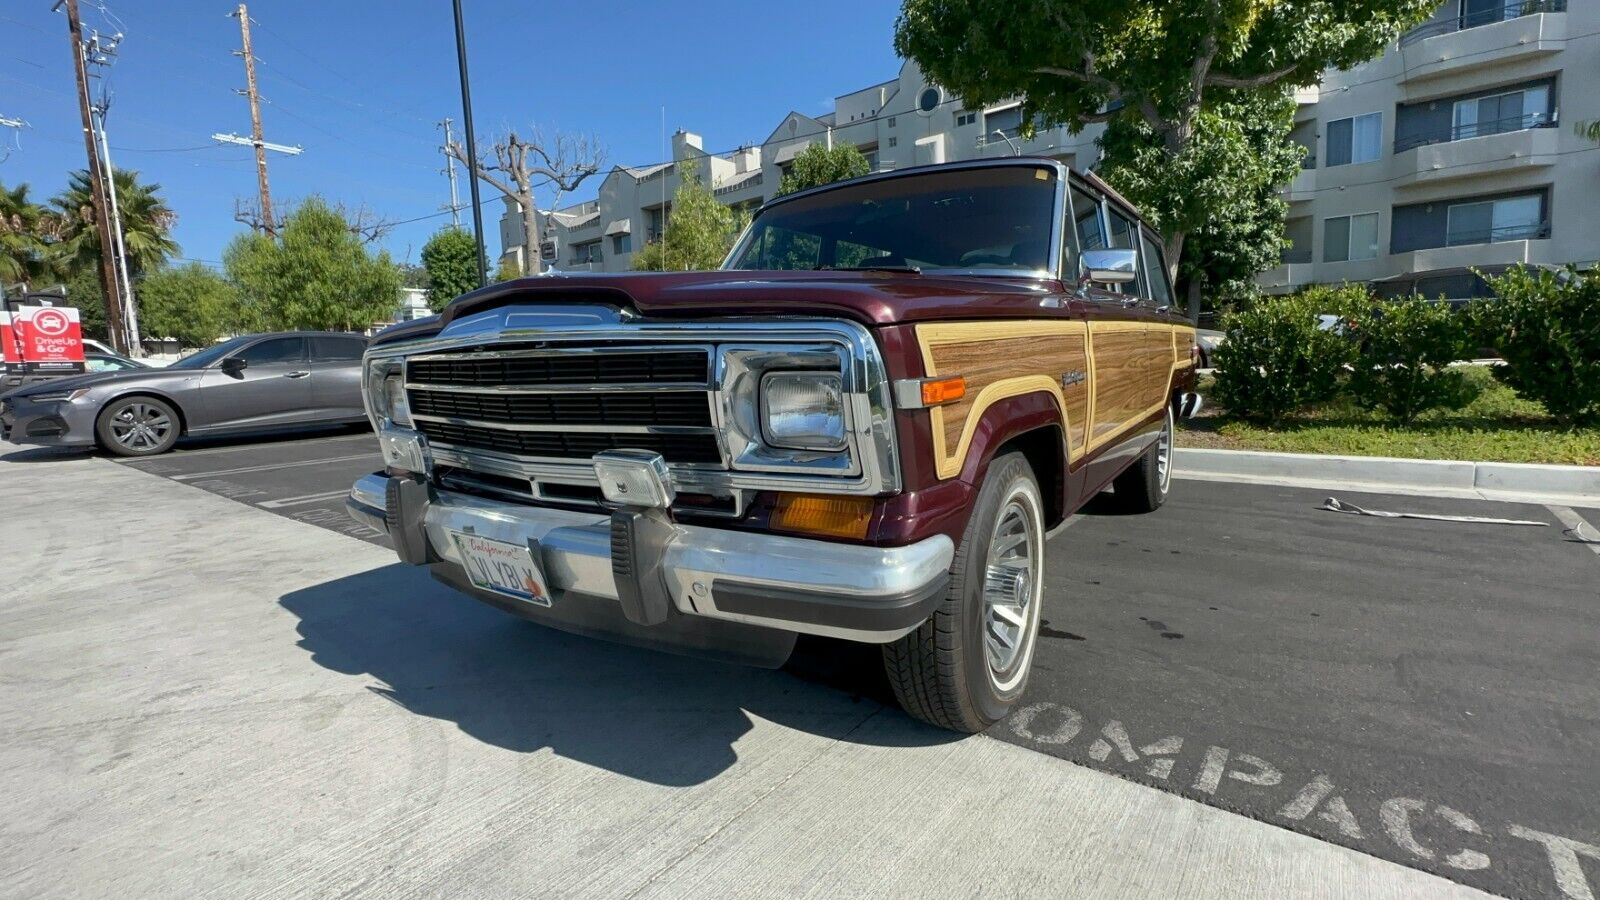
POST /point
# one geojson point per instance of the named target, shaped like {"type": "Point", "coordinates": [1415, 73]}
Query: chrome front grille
{"type": "Point", "coordinates": [568, 403]}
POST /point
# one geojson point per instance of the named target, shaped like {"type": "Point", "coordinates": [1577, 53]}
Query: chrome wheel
{"type": "Point", "coordinates": [140, 426]}
{"type": "Point", "coordinates": [1011, 589]}
{"type": "Point", "coordinates": [1164, 454]}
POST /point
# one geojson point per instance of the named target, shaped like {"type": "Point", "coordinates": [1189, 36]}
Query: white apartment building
{"type": "Point", "coordinates": [1453, 149]}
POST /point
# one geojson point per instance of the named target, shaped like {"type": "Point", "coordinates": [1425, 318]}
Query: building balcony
{"type": "Point", "coordinates": [1503, 252]}
{"type": "Point", "coordinates": [1495, 38]}
{"type": "Point", "coordinates": [1479, 157]}
{"type": "Point", "coordinates": [1286, 277]}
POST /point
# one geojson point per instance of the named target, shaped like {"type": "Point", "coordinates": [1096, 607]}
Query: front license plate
{"type": "Point", "coordinates": [502, 567]}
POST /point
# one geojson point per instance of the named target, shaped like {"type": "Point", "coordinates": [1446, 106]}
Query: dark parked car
{"type": "Point", "coordinates": [251, 382]}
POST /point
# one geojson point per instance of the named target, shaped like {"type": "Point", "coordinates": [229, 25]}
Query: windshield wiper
{"type": "Point", "coordinates": [915, 270]}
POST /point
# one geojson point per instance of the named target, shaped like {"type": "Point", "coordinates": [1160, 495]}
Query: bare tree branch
{"type": "Point", "coordinates": [1219, 79]}
{"type": "Point", "coordinates": [1113, 92]}
{"type": "Point", "coordinates": [519, 166]}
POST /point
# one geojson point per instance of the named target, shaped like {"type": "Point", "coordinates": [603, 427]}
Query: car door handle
{"type": "Point", "coordinates": [1130, 302]}
{"type": "Point", "coordinates": [301, 374]}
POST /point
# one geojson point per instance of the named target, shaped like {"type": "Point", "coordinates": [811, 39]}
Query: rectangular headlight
{"type": "Point", "coordinates": [803, 410]}
{"type": "Point", "coordinates": [53, 396]}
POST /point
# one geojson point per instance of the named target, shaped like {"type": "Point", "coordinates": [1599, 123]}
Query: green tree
{"type": "Point", "coordinates": [699, 232]}
{"type": "Point", "coordinates": [84, 291]}
{"type": "Point", "coordinates": [146, 225]}
{"type": "Point", "coordinates": [1076, 62]}
{"type": "Point", "coordinates": [1226, 185]}
{"type": "Point", "coordinates": [508, 270]}
{"type": "Point", "coordinates": [817, 165]}
{"type": "Point", "coordinates": [190, 303]}
{"type": "Point", "coordinates": [25, 229]}
{"type": "Point", "coordinates": [450, 258]}
{"type": "Point", "coordinates": [315, 274]}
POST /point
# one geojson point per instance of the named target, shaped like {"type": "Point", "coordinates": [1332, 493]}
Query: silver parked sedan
{"type": "Point", "coordinates": [251, 382]}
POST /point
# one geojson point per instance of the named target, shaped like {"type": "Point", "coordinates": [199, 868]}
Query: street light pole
{"type": "Point", "coordinates": [472, 145]}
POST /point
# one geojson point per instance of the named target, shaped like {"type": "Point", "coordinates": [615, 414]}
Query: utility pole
{"type": "Point", "coordinates": [450, 170]}
{"type": "Point", "coordinates": [100, 55]}
{"type": "Point", "coordinates": [255, 120]}
{"type": "Point", "coordinates": [108, 271]}
{"type": "Point", "coordinates": [472, 146]}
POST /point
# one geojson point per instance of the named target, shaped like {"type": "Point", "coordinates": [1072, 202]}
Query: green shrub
{"type": "Point", "coordinates": [1546, 325]}
{"type": "Point", "coordinates": [1277, 360]}
{"type": "Point", "coordinates": [1406, 347]}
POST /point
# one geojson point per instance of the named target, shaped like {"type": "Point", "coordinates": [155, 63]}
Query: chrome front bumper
{"type": "Point", "coordinates": [869, 594]}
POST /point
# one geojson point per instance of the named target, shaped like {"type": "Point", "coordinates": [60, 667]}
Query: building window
{"type": "Point", "coordinates": [1350, 237]}
{"type": "Point", "coordinates": [586, 253]}
{"type": "Point", "coordinates": [1514, 218]}
{"type": "Point", "coordinates": [621, 243]}
{"type": "Point", "coordinates": [965, 118]}
{"type": "Point", "coordinates": [928, 100]}
{"type": "Point", "coordinates": [891, 121]}
{"type": "Point", "coordinates": [1007, 121]}
{"type": "Point", "coordinates": [894, 142]}
{"type": "Point", "coordinates": [1509, 111]}
{"type": "Point", "coordinates": [1355, 140]}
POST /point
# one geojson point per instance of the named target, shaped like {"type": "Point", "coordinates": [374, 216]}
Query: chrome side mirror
{"type": "Point", "coordinates": [1110, 266]}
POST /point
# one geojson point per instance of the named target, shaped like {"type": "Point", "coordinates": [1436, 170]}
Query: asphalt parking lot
{"type": "Point", "coordinates": [1427, 692]}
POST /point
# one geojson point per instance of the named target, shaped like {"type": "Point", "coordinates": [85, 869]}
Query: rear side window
{"type": "Point", "coordinates": [1155, 266]}
{"type": "Point", "coordinates": [275, 350]}
{"type": "Point", "coordinates": [337, 349]}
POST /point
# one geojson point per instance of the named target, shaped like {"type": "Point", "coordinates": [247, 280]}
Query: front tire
{"type": "Point", "coordinates": [137, 426]}
{"type": "Point", "coordinates": [968, 664]}
{"type": "Point", "coordinates": [1143, 486]}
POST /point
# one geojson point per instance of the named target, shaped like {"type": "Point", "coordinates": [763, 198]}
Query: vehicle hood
{"type": "Point", "coordinates": [92, 379]}
{"type": "Point", "coordinates": [872, 298]}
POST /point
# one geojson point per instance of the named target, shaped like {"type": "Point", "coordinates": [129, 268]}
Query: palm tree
{"type": "Point", "coordinates": [25, 230]}
{"type": "Point", "coordinates": [146, 225]}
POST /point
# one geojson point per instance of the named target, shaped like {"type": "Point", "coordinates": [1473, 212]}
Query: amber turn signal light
{"type": "Point", "coordinates": [936, 391]}
{"type": "Point", "coordinates": [844, 517]}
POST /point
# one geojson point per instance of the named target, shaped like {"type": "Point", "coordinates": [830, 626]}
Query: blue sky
{"type": "Point", "coordinates": [360, 85]}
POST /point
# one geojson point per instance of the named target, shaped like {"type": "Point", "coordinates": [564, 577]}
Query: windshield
{"type": "Point", "coordinates": [998, 218]}
{"type": "Point", "coordinates": [202, 358]}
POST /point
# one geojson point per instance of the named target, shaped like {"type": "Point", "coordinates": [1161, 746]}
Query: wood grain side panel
{"type": "Point", "coordinates": [999, 360]}
{"type": "Point", "coordinates": [1121, 380]}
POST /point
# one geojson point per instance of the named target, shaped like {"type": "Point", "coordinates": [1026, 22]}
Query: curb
{"type": "Point", "coordinates": [1578, 484]}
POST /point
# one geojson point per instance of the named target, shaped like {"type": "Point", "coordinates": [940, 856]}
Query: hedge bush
{"type": "Point", "coordinates": [1403, 366]}
{"type": "Point", "coordinates": [1546, 326]}
{"type": "Point", "coordinates": [1277, 360]}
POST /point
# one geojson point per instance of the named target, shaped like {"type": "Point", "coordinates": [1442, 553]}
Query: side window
{"type": "Point", "coordinates": [275, 350]}
{"type": "Point", "coordinates": [1089, 226]}
{"type": "Point", "coordinates": [1155, 267]}
{"type": "Point", "coordinates": [1124, 237]}
{"type": "Point", "coordinates": [336, 349]}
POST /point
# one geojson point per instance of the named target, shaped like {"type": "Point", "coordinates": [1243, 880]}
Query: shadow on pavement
{"type": "Point", "coordinates": [43, 454]}
{"type": "Point", "coordinates": [653, 716]}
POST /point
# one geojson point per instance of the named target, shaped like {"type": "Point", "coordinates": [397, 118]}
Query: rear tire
{"type": "Point", "coordinates": [968, 664]}
{"type": "Point", "coordinates": [1143, 487]}
{"type": "Point", "coordinates": [137, 426]}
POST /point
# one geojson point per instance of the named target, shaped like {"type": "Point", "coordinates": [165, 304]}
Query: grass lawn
{"type": "Point", "coordinates": [1497, 427]}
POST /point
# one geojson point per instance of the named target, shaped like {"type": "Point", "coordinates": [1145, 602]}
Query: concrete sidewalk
{"type": "Point", "coordinates": [201, 698]}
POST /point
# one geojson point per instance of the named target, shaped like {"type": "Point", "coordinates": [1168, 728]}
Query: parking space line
{"type": "Point", "coordinates": [191, 476]}
{"type": "Point", "coordinates": [1578, 527]}
{"type": "Point", "coordinates": [307, 498]}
